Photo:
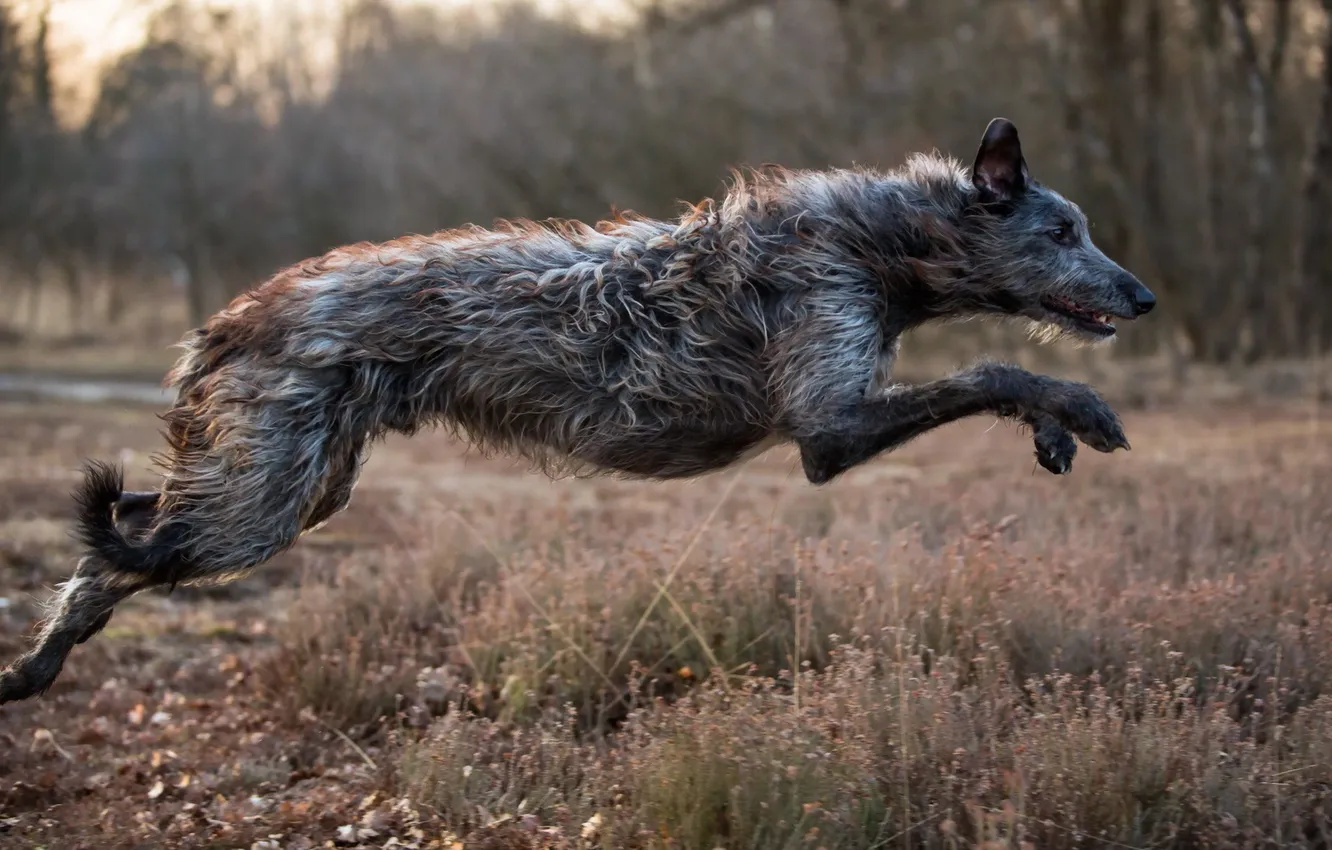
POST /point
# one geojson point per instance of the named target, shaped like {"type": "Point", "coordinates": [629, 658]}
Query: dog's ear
{"type": "Point", "coordinates": [1000, 173]}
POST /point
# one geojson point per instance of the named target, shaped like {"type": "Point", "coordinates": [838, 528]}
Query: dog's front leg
{"type": "Point", "coordinates": [1053, 408]}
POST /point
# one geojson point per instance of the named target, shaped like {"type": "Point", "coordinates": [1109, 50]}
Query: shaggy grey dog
{"type": "Point", "coordinates": [655, 349]}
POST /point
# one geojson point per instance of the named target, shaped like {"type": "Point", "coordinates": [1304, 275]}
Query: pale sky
{"type": "Point", "coordinates": [89, 32]}
{"type": "Point", "coordinates": [108, 26]}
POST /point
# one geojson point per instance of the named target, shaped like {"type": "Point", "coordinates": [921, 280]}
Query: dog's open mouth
{"type": "Point", "coordinates": [1090, 321]}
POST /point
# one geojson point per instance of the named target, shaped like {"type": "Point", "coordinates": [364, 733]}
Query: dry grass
{"type": "Point", "coordinates": [1137, 655]}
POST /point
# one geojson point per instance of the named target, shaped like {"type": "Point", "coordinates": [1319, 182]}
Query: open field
{"type": "Point", "coordinates": [947, 648]}
{"type": "Point", "coordinates": [1139, 654]}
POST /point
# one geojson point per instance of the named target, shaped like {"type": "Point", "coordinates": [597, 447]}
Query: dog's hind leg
{"type": "Point", "coordinates": [246, 512]}
{"type": "Point", "coordinates": [253, 462]}
{"type": "Point", "coordinates": [81, 609]}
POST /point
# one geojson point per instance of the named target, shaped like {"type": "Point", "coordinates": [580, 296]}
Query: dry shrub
{"type": "Point", "coordinates": [570, 630]}
{"type": "Point", "coordinates": [353, 642]}
{"type": "Point", "coordinates": [1138, 654]}
{"type": "Point", "coordinates": [477, 774]}
{"type": "Point", "coordinates": [555, 625]}
{"type": "Point", "coordinates": [872, 750]}
{"type": "Point", "coordinates": [532, 624]}
{"type": "Point", "coordinates": [541, 626]}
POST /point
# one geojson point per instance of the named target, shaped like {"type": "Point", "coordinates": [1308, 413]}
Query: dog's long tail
{"type": "Point", "coordinates": [95, 526]}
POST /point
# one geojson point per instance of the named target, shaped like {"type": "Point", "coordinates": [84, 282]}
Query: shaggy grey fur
{"type": "Point", "coordinates": [654, 349]}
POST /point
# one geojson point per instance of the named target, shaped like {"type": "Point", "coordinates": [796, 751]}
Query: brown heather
{"type": "Point", "coordinates": [1135, 655]}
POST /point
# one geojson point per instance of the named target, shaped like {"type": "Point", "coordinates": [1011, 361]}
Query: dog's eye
{"type": "Point", "coordinates": [1061, 234]}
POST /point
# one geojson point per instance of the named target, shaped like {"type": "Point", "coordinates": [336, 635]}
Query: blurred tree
{"type": "Point", "coordinates": [1197, 134]}
{"type": "Point", "coordinates": [1314, 258]}
{"type": "Point", "coordinates": [182, 148]}
{"type": "Point", "coordinates": [10, 70]}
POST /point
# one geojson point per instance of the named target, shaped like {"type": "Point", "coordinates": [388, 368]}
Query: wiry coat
{"type": "Point", "coordinates": [643, 347]}
{"type": "Point", "coordinates": [657, 349]}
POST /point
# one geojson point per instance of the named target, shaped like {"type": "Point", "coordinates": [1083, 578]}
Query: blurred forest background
{"type": "Point", "coordinates": [1197, 135]}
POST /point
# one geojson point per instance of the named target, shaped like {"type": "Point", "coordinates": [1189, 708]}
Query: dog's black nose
{"type": "Point", "coordinates": [1143, 300]}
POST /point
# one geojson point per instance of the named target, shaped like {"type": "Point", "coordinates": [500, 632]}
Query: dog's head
{"type": "Point", "coordinates": [1036, 258]}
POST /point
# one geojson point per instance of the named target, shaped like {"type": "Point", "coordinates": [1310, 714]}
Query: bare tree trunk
{"type": "Point", "coordinates": [196, 287]}
{"type": "Point", "coordinates": [9, 85]}
{"type": "Point", "coordinates": [34, 281]}
{"type": "Point", "coordinates": [73, 280]}
{"type": "Point", "coordinates": [853, 83]}
{"type": "Point", "coordinates": [30, 261]}
{"type": "Point", "coordinates": [1315, 255]}
{"type": "Point", "coordinates": [42, 89]}
{"type": "Point", "coordinates": [1108, 31]}
{"type": "Point", "coordinates": [193, 244]}
{"type": "Point", "coordinates": [1153, 170]}
{"type": "Point", "coordinates": [1216, 328]}
{"type": "Point", "coordinates": [1261, 82]}
{"type": "Point", "coordinates": [115, 302]}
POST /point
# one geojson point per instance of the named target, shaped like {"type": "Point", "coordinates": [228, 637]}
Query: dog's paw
{"type": "Point", "coordinates": [16, 685]}
{"type": "Point", "coordinates": [1055, 446]}
{"type": "Point", "coordinates": [1081, 410]}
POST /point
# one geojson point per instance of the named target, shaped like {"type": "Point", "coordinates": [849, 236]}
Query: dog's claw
{"type": "Point", "coordinates": [1054, 466]}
